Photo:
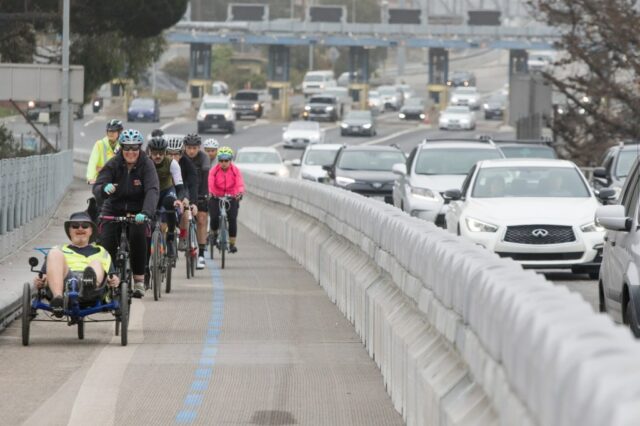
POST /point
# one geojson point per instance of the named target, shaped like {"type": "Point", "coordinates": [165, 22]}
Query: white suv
{"type": "Point", "coordinates": [216, 112]}
{"type": "Point", "coordinates": [432, 167]}
{"type": "Point", "coordinates": [619, 284]}
{"type": "Point", "coordinates": [317, 82]}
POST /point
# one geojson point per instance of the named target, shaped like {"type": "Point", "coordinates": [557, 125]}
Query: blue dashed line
{"type": "Point", "coordinates": [204, 372]}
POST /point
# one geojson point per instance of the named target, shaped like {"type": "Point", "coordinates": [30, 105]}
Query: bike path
{"type": "Point", "coordinates": [256, 343]}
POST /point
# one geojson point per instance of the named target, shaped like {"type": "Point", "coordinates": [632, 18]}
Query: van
{"type": "Point", "coordinates": [317, 81]}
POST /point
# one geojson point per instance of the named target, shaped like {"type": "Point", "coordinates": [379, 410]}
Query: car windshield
{"type": "Point", "coordinates": [497, 99]}
{"type": "Point", "coordinates": [528, 152]}
{"type": "Point", "coordinates": [320, 157]}
{"type": "Point", "coordinates": [374, 94]}
{"type": "Point", "coordinates": [536, 182]}
{"type": "Point", "coordinates": [451, 161]}
{"type": "Point", "coordinates": [142, 103]}
{"type": "Point", "coordinates": [370, 160]}
{"type": "Point", "coordinates": [216, 105]}
{"type": "Point", "coordinates": [313, 78]}
{"type": "Point", "coordinates": [258, 157]}
{"type": "Point", "coordinates": [303, 125]}
{"type": "Point", "coordinates": [358, 115]}
{"type": "Point", "coordinates": [457, 110]}
{"type": "Point", "coordinates": [246, 96]}
{"type": "Point", "coordinates": [625, 161]}
{"type": "Point", "coordinates": [387, 91]}
{"type": "Point", "coordinates": [321, 100]}
{"type": "Point", "coordinates": [413, 102]}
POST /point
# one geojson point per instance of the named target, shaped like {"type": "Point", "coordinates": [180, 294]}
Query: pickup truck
{"type": "Point", "coordinates": [34, 108]}
{"type": "Point", "coordinates": [246, 103]}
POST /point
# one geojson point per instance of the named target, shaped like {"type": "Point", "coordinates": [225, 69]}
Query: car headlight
{"type": "Point", "coordinates": [31, 104]}
{"type": "Point", "coordinates": [96, 103]}
{"type": "Point", "coordinates": [307, 108]}
{"type": "Point", "coordinates": [485, 106]}
{"type": "Point", "coordinates": [344, 181]}
{"type": "Point", "coordinates": [424, 193]}
{"type": "Point", "coordinates": [344, 125]}
{"type": "Point", "coordinates": [454, 100]}
{"type": "Point", "coordinates": [283, 172]}
{"type": "Point", "coordinates": [233, 105]}
{"type": "Point", "coordinates": [475, 225]}
{"type": "Point", "coordinates": [329, 108]}
{"type": "Point", "coordinates": [401, 115]}
{"type": "Point", "coordinates": [256, 106]}
{"type": "Point", "coordinates": [227, 116]}
{"type": "Point", "coordinates": [591, 227]}
{"type": "Point", "coordinates": [366, 126]}
{"type": "Point", "coordinates": [422, 115]}
{"type": "Point", "coordinates": [201, 115]}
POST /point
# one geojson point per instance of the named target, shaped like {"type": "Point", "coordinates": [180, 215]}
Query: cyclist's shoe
{"type": "Point", "coordinates": [233, 248]}
{"type": "Point", "coordinates": [200, 264]}
{"type": "Point", "coordinates": [138, 289]}
{"type": "Point", "coordinates": [88, 282]}
{"type": "Point", "coordinates": [57, 306]}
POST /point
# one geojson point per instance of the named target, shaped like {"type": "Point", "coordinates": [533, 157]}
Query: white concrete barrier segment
{"type": "Point", "coordinates": [460, 335]}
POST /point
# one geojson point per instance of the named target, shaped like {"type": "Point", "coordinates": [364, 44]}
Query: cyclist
{"type": "Point", "coordinates": [190, 180]}
{"type": "Point", "coordinates": [104, 149]}
{"type": "Point", "coordinates": [171, 187]}
{"type": "Point", "coordinates": [211, 148]}
{"type": "Point", "coordinates": [192, 150]}
{"type": "Point", "coordinates": [226, 179]}
{"type": "Point", "coordinates": [129, 183]}
{"type": "Point", "coordinates": [84, 259]}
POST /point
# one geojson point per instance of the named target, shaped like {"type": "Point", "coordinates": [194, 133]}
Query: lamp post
{"type": "Point", "coordinates": [64, 108]}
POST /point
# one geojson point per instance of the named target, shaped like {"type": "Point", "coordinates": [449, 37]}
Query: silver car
{"type": "Point", "coordinates": [466, 96]}
{"type": "Point", "coordinates": [313, 160]}
{"type": "Point", "coordinates": [619, 283]}
{"type": "Point", "coordinates": [300, 134]}
{"type": "Point", "coordinates": [457, 118]}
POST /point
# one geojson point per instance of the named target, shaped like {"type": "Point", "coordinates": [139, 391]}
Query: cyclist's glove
{"type": "Point", "coordinates": [140, 218]}
{"type": "Point", "coordinates": [109, 188]}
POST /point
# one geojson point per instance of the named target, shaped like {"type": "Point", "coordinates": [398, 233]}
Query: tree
{"type": "Point", "coordinates": [598, 72]}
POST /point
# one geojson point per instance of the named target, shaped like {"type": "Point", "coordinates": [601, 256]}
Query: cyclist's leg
{"type": "Point", "coordinates": [109, 236]}
{"type": "Point", "coordinates": [212, 206]}
{"type": "Point", "coordinates": [232, 216]}
{"type": "Point", "coordinates": [201, 230]}
{"type": "Point", "coordinates": [138, 252]}
{"type": "Point", "coordinates": [57, 269]}
{"type": "Point", "coordinates": [170, 218]}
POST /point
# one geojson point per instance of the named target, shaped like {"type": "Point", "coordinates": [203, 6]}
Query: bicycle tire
{"type": "Point", "coordinates": [81, 328]}
{"type": "Point", "coordinates": [154, 268]}
{"type": "Point", "coordinates": [167, 280]}
{"type": "Point", "coordinates": [124, 313]}
{"type": "Point", "coordinates": [211, 246]}
{"type": "Point", "coordinates": [26, 313]}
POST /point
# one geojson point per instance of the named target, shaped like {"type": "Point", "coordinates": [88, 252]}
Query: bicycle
{"type": "Point", "coordinates": [223, 232]}
{"type": "Point", "coordinates": [191, 252]}
{"type": "Point", "coordinates": [157, 259]}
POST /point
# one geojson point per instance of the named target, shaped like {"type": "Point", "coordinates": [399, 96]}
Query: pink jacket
{"type": "Point", "coordinates": [223, 182]}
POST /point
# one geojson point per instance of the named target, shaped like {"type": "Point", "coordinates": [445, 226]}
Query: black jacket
{"type": "Point", "coordinates": [137, 190]}
{"type": "Point", "coordinates": [202, 164]}
{"type": "Point", "coordinates": [189, 178]}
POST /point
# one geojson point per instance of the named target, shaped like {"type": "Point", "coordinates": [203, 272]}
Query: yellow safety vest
{"type": "Point", "coordinates": [77, 262]}
{"type": "Point", "coordinates": [101, 153]}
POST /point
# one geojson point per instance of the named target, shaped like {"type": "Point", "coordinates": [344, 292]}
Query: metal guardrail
{"type": "Point", "coordinates": [31, 187]}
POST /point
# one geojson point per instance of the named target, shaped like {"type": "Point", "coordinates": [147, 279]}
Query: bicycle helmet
{"type": "Point", "coordinates": [131, 137]}
{"type": "Point", "coordinates": [157, 132]}
{"type": "Point", "coordinates": [158, 143]}
{"type": "Point", "coordinates": [210, 144]}
{"type": "Point", "coordinates": [225, 153]}
{"type": "Point", "coordinates": [174, 143]}
{"type": "Point", "coordinates": [114, 126]}
{"type": "Point", "coordinates": [192, 139]}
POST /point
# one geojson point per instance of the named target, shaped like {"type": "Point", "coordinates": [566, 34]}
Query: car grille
{"type": "Point", "coordinates": [541, 256]}
{"type": "Point", "coordinates": [318, 110]}
{"type": "Point", "coordinates": [300, 140]}
{"type": "Point", "coordinates": [463, 101]}
{"type": "Point", "coordinates": [213, 118]}
{"type": "Point", "coordinates": [539, 234]}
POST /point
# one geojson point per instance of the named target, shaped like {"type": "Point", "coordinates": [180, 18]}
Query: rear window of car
{"type": "Point", "coordinates": [370, 160]}
{"type": "Point", "coordinates": [246, 96]}
{"type": "Point", "coordinates": [321, 100]}
{"type": "Point", "coordinates": [451, 161]}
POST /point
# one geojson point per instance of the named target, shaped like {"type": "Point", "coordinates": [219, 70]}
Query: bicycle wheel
{"type": "Point", "coordinates": [211, 245]}
{"type": "Point", "coordinates": [81, 328]}
{"type": "Point", "coordinates": [26, 313]}
{"type": "Point", "coordinates": [154, 266]}
{"type": "Point", "coordinates": [194, 247]}
{"type": "Point", "coordinates": [124, 313]}
{"type": "Point", "coordinates": [224, 240]}
{"type": "Point", "coordinates": [168, 275]}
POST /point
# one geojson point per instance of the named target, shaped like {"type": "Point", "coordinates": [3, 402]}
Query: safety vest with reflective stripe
{"type": "Point", "coordinates": [77, 262]}
{"type": "Point", "coordinates": [101, 153]}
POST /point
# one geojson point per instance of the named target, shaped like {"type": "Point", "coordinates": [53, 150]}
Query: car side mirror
{"type": "Point", "coordinates": [296, 162]}
{"type": "Point", "coordinates": [600, 172]}
{"type": "Point", "coordinates": [452, 195]}
{"type": "Point", "coordinates": [399, 169]}
{"type": "Point", "coordinates": [607, 195]}
{"type": "Point", "coordinates": [329, 170]}
{"type": "Point", "coordinates": [613, 218]}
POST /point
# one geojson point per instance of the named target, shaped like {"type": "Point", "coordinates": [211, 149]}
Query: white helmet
{"type": "Point", "coordinates": [174, 142]}
{"type": "Point", "coordinates": [211, 144]}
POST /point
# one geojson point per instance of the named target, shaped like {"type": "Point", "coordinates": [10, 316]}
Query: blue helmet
{"type": "Point", "coordinates": [131, 137]}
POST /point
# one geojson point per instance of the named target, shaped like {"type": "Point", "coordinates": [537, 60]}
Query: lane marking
{"type": "Point", "coordinates": [173, 122]}
{"type": "Point", "coordinates": [94, 120]}
{"type": "Point", "coordinates": [97, 397]}
{"type": "Point", "coordinates": [395, 135]}
{"type": "Point", "coordinates": [202, 375]}
{"type": "Point", "coordinates": [227, 136]}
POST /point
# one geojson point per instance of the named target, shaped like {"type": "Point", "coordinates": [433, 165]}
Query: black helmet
{"type": "Point", "coordinates": [157, 132]}
{"type": "Point", "coordinates": [158, 143]}
{"type": "Point", "coordinates": [114, 126]}
{"type": "Point", "coordinates": [192, 139]}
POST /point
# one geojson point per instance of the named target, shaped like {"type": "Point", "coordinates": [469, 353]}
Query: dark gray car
{"type": "Point", "coordinates": [366, 170]}
{"type": "Point", "coordinates": [358, 123]}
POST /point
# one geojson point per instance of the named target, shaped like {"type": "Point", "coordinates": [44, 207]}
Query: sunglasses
{"type": "Point", "coordinates": [223, 161]}
{"type": "Point", "coordinates": [211, 150]}
{"type": "Point", "coordinates": [130, 147]}
{"type": "Point", "coordinates": [158, 153]}
{"type": "Point", "coordinates": [83, 225]}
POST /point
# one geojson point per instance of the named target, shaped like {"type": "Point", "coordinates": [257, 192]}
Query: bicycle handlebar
{"type": "Point", "coordinates": [123, 219]}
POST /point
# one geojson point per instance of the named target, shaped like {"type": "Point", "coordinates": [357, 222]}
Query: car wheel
{"type": "Point", "coordinates": [459, 234]}
{"type": "Point", "coordinates": [602, 305]}
{"type": "Point", "coordinates": [594, 275]}
{"type": "Point", "coordinates": [232, 129]}
{"type": "Point", "coordinates": [631, 318]}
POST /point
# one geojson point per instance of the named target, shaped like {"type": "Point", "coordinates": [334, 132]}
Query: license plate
{"type": "Point", "coordinates": [140, 115]}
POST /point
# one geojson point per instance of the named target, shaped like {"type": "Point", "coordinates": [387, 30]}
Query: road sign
{"type": "Point", "coordinates": [404, 16]}
{"type": "Point", "coordinates": [337, 14]}
{"type": "Point", "coordinates": [36, 82]}
{"type": "Point", "coordinates": [248, 12]}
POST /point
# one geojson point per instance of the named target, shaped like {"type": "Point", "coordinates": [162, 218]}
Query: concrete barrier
{"type": "Point", "coordinates": [460, 335]}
